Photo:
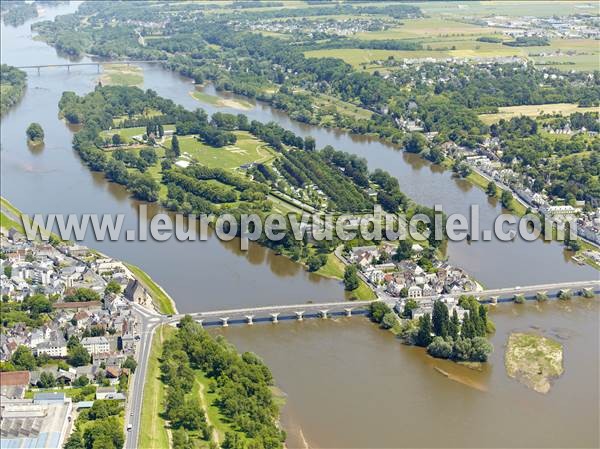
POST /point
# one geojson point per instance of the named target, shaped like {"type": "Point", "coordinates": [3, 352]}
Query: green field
{"type": "Point", "coordinates": [128, 133]}
{"type": "Point", "coordinates": [153, 432]}
{"type": "Point", "coordinates": [533, 111]}
{"type": "Point", "coordinates": [334, 268]}
{"type": "Point", "coordinates": [247, 149]}
{"type": "Point", "coordinates": [427, 27]}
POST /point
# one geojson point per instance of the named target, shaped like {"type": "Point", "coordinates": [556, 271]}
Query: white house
{"type": "Point", "coordinates": [96, 345]}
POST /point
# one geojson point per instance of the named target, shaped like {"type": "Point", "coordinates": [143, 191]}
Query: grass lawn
{"type": "Point", "coordinates": [122, 74]}
{"type": "Point", "coordinates": [69, 392]}
{"type": "Point", "coordinates": [154, 431]}
{"type": "Point", "coordinates": [148, 113]}
{"type": "Point", "coordinates": [334, 268]}
{"type": "Point", "coordinates": [10, 217]}
{"type": "Point", "coordinates": [161, 299]}
{"type": "Point", "coordinates": [533, 111]}
{"type": "Point", "coordinates": [128, 133]}
{"type": "Point", "coordinates": [247, 149]}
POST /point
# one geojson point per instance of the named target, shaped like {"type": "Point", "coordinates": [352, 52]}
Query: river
{"type": "Point", "coordinates": [348, 384]}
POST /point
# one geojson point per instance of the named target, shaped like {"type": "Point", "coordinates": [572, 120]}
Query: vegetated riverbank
{"type": "Point", "coordinates": [533, 360]}
{"type": "Point", "coordinates": [12, 87]}
{"type": "Point", "coordinates": [162, 301]}
{"type": "Point", "coordinates": [207, 394]}
{"type": "Point", "coordinates": [12, 218]}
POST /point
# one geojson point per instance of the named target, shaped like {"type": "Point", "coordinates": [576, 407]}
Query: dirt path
{"type": "Point", "coordinates": [215, 433]}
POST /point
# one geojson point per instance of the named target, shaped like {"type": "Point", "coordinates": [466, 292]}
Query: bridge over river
{"type": "Point", "coordinates": [38, 67]}
{"type": "Point", "coordinates": [275, 313]}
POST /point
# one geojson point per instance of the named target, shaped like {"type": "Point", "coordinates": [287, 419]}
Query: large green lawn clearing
{"type": "Point", "coordinates": [247, 149]}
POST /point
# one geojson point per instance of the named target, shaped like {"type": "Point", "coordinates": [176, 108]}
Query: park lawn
{"type": "Point", "coordinates": [148, 113]}
{"type": "Point", "coordinates": [122, 75]}
{"type": "Point", "coordinates": [153, 433]}
{"type": "Point", "coordinates": [247, 149]}
{"type": "Point", "coordinates": [534, 110]}
{"type": "Point", "coordinates": [334, 268]}
{"type": "Point", "coordinates": [128, 133]}
{"type": "Point", "coordinates": [162, 301]}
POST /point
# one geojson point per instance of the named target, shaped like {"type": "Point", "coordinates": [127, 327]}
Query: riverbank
{"type": "Point", "coordinates": [162, 301]}
{"type": "Point", "coordinates": [11, 217]}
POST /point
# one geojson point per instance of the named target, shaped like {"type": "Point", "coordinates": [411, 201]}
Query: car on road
{"type": "Point", "coordinates": [129, 427]}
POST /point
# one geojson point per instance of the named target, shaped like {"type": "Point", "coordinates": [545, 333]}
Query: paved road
{"type": "Point", "coordinates": [149, 321]}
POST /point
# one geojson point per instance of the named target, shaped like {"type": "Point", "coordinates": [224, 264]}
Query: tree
{"type": "Point", "coordinates": [81, 381]}
{"type": "Point", "coordinates": [480, 349]}
{"type": "Point", "coordinates": [116, 139]}
{"type": "Point", "coordinates": [130, 363]}
{"type": "Point", "coordinates": [423, 337]}
{"type": "Point", "coordinates": [112, 287]}
{"type": "Point", "coordinates": [175, 146]}
{"type": "Point", "coordinates": [409, 306]}
{"type": "Point", "coordinates": [440, 319]}
{"type": "Point", "coordinates": [82, 295]}
{"type": "Point", "coordinates": [506, 199]}
{"type": "Point", "coordinates": [440, 348]}
{"type": "Point", "coordinates": [389, 320]}
{"type": "Point", "coordinates": [351, 280]}
{"type": "Point", "coordinates": [415, 143]}
{"type": "Point", "coordinates": [315, 262]}
{"type": "Point", "coordinates": [46, 380]}
{"type": "Point", "coordinates": [35, 132]}
{"type": "Point", "coordinates": [23, 359]}
{"type": "Point", "coordinates": [77, 355]}
{"type": "Point", "coordinates": [461, 349]}
{"type": "Point", "coordinates": [491, 189]}
{"type": "Point", "coordinates": [454, 326]}
{"type": "Point", "coordinates": [378, 310]}
{"type": "Point", "coordinates": [404, 250]}
{"type": "Point", "coordinates": [309, 143]}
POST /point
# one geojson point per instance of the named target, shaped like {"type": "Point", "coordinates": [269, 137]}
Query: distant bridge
{"type": "Point", "coordinates": [38, 67]}
{"type": "Point", "coordinates": [275, 313]}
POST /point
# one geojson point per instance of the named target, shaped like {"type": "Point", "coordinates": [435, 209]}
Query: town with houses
{"type": "Point", "coordinates": [406, 279]}
{"type": "Point", "coordinates": [92, 309]}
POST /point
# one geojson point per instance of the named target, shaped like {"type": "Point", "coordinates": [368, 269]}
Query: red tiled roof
{"type": "Point", "coordinates": [76, 304]}
{"type": "Point", "coordinates": [14, 378]}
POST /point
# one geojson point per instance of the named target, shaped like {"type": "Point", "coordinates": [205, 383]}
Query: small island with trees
{"type": "Point", "coordinates": [443, 334]}
{"type": "Point", "coordinates": [35, 134]}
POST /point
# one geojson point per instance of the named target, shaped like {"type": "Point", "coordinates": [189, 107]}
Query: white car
{"type": "Point", "coordinates": [129, 427]}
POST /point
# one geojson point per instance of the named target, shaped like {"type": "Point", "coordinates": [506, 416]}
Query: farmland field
{"type": "Point", "coordinates": [533, 111]}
